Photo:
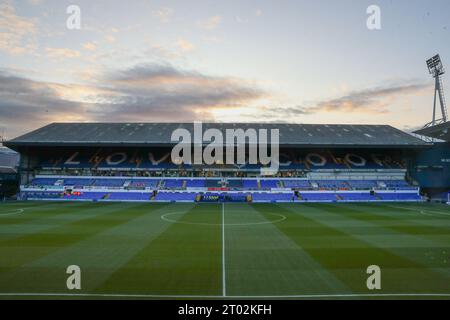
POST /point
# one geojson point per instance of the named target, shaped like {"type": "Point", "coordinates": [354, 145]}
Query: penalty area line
{"type": "Point", "coordinates": [426, 212]}
{"type": "Point", "coordinates": [12, 212]}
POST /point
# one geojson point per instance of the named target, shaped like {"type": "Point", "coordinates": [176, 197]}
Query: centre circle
{"type": "Point", "coordinates": [278, 218]}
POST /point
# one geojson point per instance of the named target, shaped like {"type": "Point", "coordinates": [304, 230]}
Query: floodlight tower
{"type": "Point", "coordinates": [436, 69]}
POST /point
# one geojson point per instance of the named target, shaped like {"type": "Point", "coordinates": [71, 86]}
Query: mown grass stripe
{"type": "Point", "coordinates": [371, 215]}
{"type": "Point", "coordinates": [429, 251]}
{"type": "Point", "coordinates": [262, 260]}
{"type": "Point", "coordinates": [184, 259]}
{"type": "Point", "coordinates": [62, 219]}
{"type": "Point", "coordinates": [402, 237]}
{"type": "Point", "coordinates": [36, 212]}
{"type": "Point", "coordinates": [24, 249]}
{"type": "Point", "coordinates": [99, 255]}
{"type": "Point", "coordinates": [349, 257]}
{"type": "Point", "coordinates": [435, 214]}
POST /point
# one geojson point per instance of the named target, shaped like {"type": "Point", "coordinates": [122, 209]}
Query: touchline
{"type": "Point", "coordinates": [235, 140]}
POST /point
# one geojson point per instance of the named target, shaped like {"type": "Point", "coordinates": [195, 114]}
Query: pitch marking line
{"type": "Point", "coordinates": [304, 296]}
{"type": "Point", "coordinates": [224, 293]}
{"type": "Point", "coordinates": [12, 212]}
{"type": "Point", "coordinates": [165, 218]}
{"type": "Point", "coordinates": [423, 212]}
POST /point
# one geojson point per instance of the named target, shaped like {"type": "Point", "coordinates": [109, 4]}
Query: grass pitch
{"type": "Point", "coordinates": [233, 250]}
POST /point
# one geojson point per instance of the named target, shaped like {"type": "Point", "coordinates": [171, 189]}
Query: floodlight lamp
{"type": "Point", "coordinates": [434, 65]}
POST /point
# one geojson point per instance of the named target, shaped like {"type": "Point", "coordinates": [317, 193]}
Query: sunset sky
{"type": "Point", "coordinates": [278, 61]}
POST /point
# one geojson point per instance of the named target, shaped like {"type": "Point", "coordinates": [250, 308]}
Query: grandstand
{"type": "Point", "coordinates": [131, 162]}
{"type": "Point", "coordinates": [9, 179]}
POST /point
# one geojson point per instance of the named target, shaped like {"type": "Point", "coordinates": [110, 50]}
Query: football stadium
{"type": "Point", "coordinates": [107, 198]}
{"type": "Point", "coordinates": [235, 154]}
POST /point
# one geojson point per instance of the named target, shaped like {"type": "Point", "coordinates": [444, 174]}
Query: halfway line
{"type": "Point", "coordinates": [224, 292]}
